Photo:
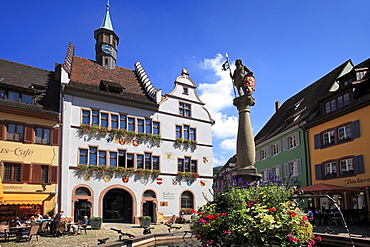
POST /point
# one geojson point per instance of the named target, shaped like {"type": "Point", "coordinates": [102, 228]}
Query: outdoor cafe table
{"type": "Point", "coordinates": [18, 231]}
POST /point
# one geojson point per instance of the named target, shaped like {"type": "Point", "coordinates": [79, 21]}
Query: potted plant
{"type": "Point", "coordinates": [145, 221]}
{"type": "Point", "coordinates": [95, 222]}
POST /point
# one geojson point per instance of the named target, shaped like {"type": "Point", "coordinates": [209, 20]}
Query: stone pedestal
{"type": "Point", "coordinates": [245, 147]}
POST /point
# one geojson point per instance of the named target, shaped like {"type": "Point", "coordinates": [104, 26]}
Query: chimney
{"type": "Point", "coordinates": [277, 105]}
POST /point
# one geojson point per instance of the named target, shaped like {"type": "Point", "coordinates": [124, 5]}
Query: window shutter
{"type": "Point", "coordinates": [359, 164]}
{"type": "Point", "coordinates": [36, 173]}
{"type": "Point", "coordinates": [268, 151]}
{"type": "Point", "coordinates": [318, 171]}
{"type": "Point", "coordinates": [2, 130]}
{"type": "Point", "coordinates": [258, 155]}
{"type": "Point", "coordinates": [53, 174]}
{"type": "Point", "coordinates": [299, 167]}
{"type": "Point", "coordinates": [355, 129]}
{"type": "Point", "coordinates": [28, 134]}
{"type": "Point", "coordinates": [287, 169]}
{"type": "Point", "coordinates": [54, 137]}
{"type": "Point", "coordinates": [285, 144]}
{"type": "Point", "coordinates": [25, 173]}
{"type": "Point", "coordinates": [279, 146]}
{"type": "Point", "coordinates": [317, 141]}
{"type": "Point", "coordinates": [278, 170]}
{"type": "Point", "coordinates": [297, 138]}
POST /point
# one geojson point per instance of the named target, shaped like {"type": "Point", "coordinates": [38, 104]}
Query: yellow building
{"type": "Point", "coordinates": [339, 140]}
{"type": "Point", "coordinates": [29, 137]}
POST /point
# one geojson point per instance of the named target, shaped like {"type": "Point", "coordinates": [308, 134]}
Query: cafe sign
{"type": "Point", "coordinates": [17, 152]}
{"type": "Point", "coordinates": [356, 180]}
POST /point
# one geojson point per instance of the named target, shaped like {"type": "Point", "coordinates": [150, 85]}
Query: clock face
{"type": "Point", "coordinates": [106, 49]}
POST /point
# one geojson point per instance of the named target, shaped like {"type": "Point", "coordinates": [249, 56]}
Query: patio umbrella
{"type": "Point", "coordinates": [322, 189]}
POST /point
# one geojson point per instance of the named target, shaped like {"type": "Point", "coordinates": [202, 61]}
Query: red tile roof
{"type": "Point", "coordinates": [90, 72]}
{"type": "Point", "coordinates": [87, 75]}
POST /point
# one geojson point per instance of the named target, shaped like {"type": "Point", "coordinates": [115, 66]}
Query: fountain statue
{"type": "Point", "coordinates": [244, 82]}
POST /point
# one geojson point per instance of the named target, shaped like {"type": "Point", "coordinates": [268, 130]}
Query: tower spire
{"type": "Point", "coordinates": [106, 43]}
{"type": "Point", "coordinates": [107, 23]}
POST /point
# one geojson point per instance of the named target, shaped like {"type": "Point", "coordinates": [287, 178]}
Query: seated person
{"type": "Point", "coordinates": [83, 223]}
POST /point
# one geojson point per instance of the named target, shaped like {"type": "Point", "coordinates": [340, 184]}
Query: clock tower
{"type": "Point", "coordinates": [106, 43]}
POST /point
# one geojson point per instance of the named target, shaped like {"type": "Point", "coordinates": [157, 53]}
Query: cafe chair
{"type": "Point", "coordinates": [60, 229]}
{"type": "Point", "coordinates": [4, 232]}
{"type": "Point", "coordinates": [33, 230]}
{"type": "Point", "coordinates": [43, 228]}
{"type": "Point", "coordinates": [82, 227]}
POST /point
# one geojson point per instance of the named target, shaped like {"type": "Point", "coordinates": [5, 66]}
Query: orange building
{"type": "Point", "coordinates": [29, 99]}
{"type": "Point", "coordinates": [339, 140]}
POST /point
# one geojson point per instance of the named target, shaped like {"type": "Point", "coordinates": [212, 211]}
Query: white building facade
{"type": "Point", "coordinates": [126, 150]}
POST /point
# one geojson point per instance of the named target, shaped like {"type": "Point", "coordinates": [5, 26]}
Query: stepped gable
{"type": "Point", "coordinates": [298, 108]}
{"type": "Point", "coordinates": [36, 81]}
{"type": "Point", "coordinates": [88, 75]}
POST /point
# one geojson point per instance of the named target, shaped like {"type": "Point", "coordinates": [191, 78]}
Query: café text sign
{"type": "Point", "coordinates": [17, 152]}
{"type": "Point", "coordinates": [357, 180]}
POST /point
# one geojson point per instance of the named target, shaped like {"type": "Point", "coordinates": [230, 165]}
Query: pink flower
{"type": "Point", "coordinates": [304, 218]}
{"type": "Point", "coordinates": [227, 231]}
{"type": "Point", "coordinates": [318, 238]}
{"type": "Point", "coordinates": [203, 221]}
{"type": "Point", "coordinates": [197, 236]}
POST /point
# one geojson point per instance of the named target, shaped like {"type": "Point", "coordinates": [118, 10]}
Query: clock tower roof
{"type": "Point", "coordinates": [107, 23]}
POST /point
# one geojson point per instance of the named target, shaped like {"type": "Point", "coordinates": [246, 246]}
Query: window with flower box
{"type": "Point", "coordinates": [337, 135]}
{"type": "Point", "coordinates": [186, 165]}
{"type": "Point", "coordinates": [112, 158]}
{"type": "Point", "coordinates": [119, 121]}
{"type": "Point", "coordinates": [342, 167]}
{"type": "Point", "coordinates": [186, 132]}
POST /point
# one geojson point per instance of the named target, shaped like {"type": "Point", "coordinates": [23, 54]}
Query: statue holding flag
{"type": "Point", "coordinates": [245, 83]}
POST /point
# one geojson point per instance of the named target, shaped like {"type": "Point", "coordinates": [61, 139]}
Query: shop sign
{"type": "Point", "coordinates": [12, 187]}
{"type": "Point", "coordinates": [356, 180]}
{"type": "Point", "coordinates": [168, 196]}
{"type": "Point", "coordinates": [17, 152]}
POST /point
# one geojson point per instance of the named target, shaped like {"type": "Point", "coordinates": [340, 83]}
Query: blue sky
{"type": "Point", "coordinates": [288, 44]}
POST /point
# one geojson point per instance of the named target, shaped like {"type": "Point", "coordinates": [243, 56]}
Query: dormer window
{"type": "Point", "coordinates": [349, 81]}
{"type": "Point", "coordinates": [110, 86]}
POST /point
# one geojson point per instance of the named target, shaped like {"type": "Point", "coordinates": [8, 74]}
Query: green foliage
{"type": "Point", "coordinates": [145, 217]}
{"type": "Point", "coordinates": [188, 175]}
{"type": "Point", "coordinates": [92, 218]}
{"type": "Point", "coordinates": [257, 216]}
{"type": "Point", "coordinates": [187, 211]}
{"type": "Point", "coordinates": [94, 130]}
{"type": "Point", "coordinates": [100, 170]}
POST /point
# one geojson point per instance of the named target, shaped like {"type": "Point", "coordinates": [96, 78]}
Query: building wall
{"type": "Point", "coordinates": [359, 146]}
{"type": "Point", "coordinates": [28, 153]}
{"type": "Point", "coordinates": [168, 193]}
{"type": "Point", "coordinates": [285, 156]}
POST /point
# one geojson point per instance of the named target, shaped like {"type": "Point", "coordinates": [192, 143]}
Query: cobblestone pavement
{"type": "Point", "coordinates": [90, 239]}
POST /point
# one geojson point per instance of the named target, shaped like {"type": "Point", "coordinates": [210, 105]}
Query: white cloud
{"type": "Point", "coordinates": [228, 144]}
{"type": "Point", "coordinates": [218, 96]}
{"type": "Point", "coordinates": [218, 161]}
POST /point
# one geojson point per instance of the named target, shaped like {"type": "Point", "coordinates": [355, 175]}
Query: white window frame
{"type": "Point", "coordinates": [293, 167]}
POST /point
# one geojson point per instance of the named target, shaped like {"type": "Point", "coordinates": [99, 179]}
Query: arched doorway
{"type": "Point", "coordinates": [82, 203]}
{"type": "Point", "coordinates": [117, 206]}
{"type": "Point", "coordinates": [149, 205]}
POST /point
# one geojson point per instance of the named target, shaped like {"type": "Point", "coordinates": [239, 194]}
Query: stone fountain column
{"type": "Point", "coordinates": [245, 146]}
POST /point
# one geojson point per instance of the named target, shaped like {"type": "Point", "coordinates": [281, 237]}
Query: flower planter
{"type": "Point", "coordinates": [95, 223]}
{"type": "Point", "coordinates": [145, 221]}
